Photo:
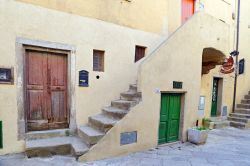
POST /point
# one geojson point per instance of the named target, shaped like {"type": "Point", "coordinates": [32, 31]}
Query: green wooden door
{"type": "Point", "coordinates": [169, 118]}
{"type": "Point", "coordinates": [214, 97]}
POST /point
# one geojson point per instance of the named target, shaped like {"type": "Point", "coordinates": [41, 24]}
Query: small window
{"type": "Point", "coordinates": [98, 60]}
{"type": "Point", "coordinates": [139, 52]}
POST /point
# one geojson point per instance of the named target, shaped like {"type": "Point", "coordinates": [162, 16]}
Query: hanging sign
{"type": "Point", "coordinates": [228, 66]}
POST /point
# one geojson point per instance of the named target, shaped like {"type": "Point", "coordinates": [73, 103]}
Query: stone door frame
{"type": "Point", "coordinates": [21, 44]}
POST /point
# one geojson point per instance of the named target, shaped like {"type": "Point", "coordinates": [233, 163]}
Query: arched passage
{"type": "Point", "coordinates": [211, 58]}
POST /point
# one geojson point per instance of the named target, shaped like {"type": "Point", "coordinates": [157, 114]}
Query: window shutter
{"type": "Point", "coordinates": [98, 60]}
{"type": "Point", "coordinates": [139, 52]}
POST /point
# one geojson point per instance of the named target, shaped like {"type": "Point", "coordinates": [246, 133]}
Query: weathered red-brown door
{"type": "Point", "coordinates": [46, 91]}
{"type": "Point", "coordinates": [187, 9]}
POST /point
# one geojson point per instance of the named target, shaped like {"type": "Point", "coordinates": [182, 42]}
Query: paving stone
{"type": "Point", "coordinates": [225, 147]}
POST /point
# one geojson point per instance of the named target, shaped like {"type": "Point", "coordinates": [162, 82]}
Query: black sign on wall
{"type": "Point", "coordinates": [241, 66]}
{"type": "Point", "coordinates": [83, 78]}
{"type": "Point", "coordinates": [6, 75]}
{"type": "Point", "coordinates": [177, 85]}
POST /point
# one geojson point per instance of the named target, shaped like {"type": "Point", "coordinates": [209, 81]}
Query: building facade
{"type": "Point", "coordinates": [66, 67]}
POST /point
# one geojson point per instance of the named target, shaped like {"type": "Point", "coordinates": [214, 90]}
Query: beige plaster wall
{"type": "Point", "coordinates": [139, 14]}
{"type": "Point", "coordinates": [243, 80]}
{"type": "Point", "coordinates": [157, 72]}
{"type": "Point", "coordinates": [227, 89]}
{"type": "Point", "coordinates": [224, 10]}
{"type": "Point", "coordinates": [37, 23]}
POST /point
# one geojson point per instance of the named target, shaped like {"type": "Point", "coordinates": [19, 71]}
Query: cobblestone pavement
{"type": "Point", "coordinates": [225, 147]}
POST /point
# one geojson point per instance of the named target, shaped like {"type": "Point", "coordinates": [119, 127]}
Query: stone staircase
{"type": "Point", "coordinates": [62, 142]}
{"type": "Point", "coordinates": [241, 117]}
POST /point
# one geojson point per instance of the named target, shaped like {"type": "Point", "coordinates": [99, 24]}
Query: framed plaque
{"type": "Point", "coordinates": [6, 75]}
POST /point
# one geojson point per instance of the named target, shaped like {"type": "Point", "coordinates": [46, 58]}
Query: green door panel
{"type": "Point", "coordinates": [162, 132]}
{"type": "Point", "coordinates": [173, 131]}
{"type": "Point", "coordinates": [214, 97]}
{"type": "Point", "coordinates": [169, 118]}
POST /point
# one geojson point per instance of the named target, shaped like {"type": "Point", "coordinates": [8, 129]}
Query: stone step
{"type": "Point", "coordinates": [247, 97]}
{"type": "Point", "coordinates": [47, 134]}
{"type": "Point", "coordinates": [114, 112]}
{"type": "Point", "coordinates": [102, 122]}
{"type": "Point", "coordinates": [131, 96]}
{"type": "Point", "coordinates": [237, 119]}
{"type": "Point", "coordinates": [221, 124]}
{"type": "Point", "coordinates": [55, 146]}
{"type": "Point", "coordinates": [245, 101]}
{"type": "Point", "coordinates": [123, 104]}
{"type": "Point", "coordinates": [89, 134]}
{"type": "Point", "coordinates": [242, 111]}
{"type": "Point", "coordinates": [239, 115]}
{"type": "Point", "coordinates": [238, 124]}
{"type": "Point", "coordinates": [133, 87]}
{"type": "Point", "coordinates": [246, 106]}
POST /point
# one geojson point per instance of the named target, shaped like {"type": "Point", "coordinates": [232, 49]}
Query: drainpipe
{"type": "Point", "coordinates": [236, 56]}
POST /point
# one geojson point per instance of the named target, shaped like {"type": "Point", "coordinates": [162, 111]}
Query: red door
{"type": "Point", "coordinates": [187, 9]}
{"type": "Point", "coordinates": [46, 91]}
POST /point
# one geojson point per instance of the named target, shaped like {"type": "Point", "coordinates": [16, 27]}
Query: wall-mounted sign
{"type": "Point", "coordinates": [177, 85]}
{"type": "Point", "coordinates": [83, 78]}
{"type": "Point", "coordinates": [241, 66]}
{"type": "Point", "coordinates": [128, 138]}
{"type": "Point", "coordinates": [6, 75]}
{"type": "Point", "coordinates": [228, 66]}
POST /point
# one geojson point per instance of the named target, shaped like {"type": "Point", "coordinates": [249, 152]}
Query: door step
{"type": "Point", "coordinates": [221, 124]}
{"type": "Point", "coordinates": [48, 134]}
{"type": "Point", "coordinates": [114, 112]}
{"type": "Point", "coordinates": [131, 96]}
{"type": "Point", "coordinates": [237, 119]}
{"type": "Point", "coordinates": [123, 104]}
{"type": "Point", "coordinates": [240, 125]}
{"type": "Point", "coordinates": [242, 111]}
{"type": "Point", "coordinates": [90, 135]}
{"type": "Point", "coordinates": [240, 115]}
{"type": "Point", "coordinates": [55, 146]}
{"type": "Point", "coordinates": [102, 122]}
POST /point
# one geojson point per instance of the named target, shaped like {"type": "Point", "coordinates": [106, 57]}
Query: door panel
{"type": "Point", "coordinates": [162, 132]}
{"type": "Point", "coordinates": [187, 9]}
{"type": "Point", "coordinates": [214, 97]}
{"type": "Point", "coordinates": [169, 118]}
{"type": "Point", "coordinates": [46, 91]}
{"type": "Point", "coordinates": [57, 85]}
{"type": "Point", "coordinates": [36, 113]}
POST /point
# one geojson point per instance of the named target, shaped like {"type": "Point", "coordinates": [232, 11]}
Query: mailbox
{"type": "Point", "coordinates": [241, 66]}
{"type": "Point", "coordinates": [83, 78]}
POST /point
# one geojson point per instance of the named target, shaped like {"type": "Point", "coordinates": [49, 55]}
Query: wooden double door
{"type": "Point", "coordinates": [46, 90]}
{"type": "Point", "coordinates": [169, 118]}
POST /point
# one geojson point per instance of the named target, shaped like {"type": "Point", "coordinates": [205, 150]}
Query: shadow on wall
{"type": "Point", "coordinates": [211, 58]}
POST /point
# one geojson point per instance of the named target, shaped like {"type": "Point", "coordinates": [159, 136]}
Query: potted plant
{"type": "Point", "coordinates": [198, 135]}
{"type": "Point", "coordinates": [207, 123]}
